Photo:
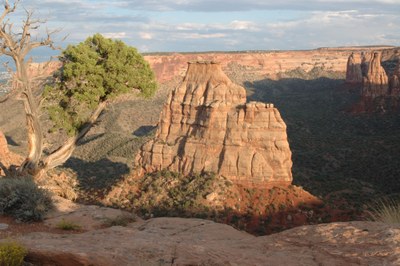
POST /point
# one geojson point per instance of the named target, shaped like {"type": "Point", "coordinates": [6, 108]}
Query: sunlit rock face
{"type": "Point", "coordinates": [380, 86]}
{"type": "Point", "coordinates": [207, 126]}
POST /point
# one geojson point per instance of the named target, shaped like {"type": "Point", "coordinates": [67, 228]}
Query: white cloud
{"type": "Point", "coordinates": [287, 24]}
{"type": "Point", "coordinates": [243, 25]}
{"type": "Point", "coordinates": [203, 36]}
{"type": "Point", "coordinates": [145, 35]}
{"type": "Point", "coordinates": [246, 5]}
{"type": "Point", "coordinates": [191, 26]}
{"type": "Point", "coordinates": [115, 35]}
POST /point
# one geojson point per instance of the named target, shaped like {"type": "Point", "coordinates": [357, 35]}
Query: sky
{"type": "Point", "coordinates": [224, 25]}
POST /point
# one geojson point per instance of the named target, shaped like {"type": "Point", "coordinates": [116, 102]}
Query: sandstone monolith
{"type": "Point", "coordinates": [380, 86]}
{"type": "Point", "coordinates": [376, 82]}
{"type": "Point", "coordinates": [353, 71]}
{"type": "Point", "coordinates": [207, 126]}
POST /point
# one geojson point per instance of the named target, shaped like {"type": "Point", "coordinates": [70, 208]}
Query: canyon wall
{"type": "Point", "coordinates": [43, 69]}
{"type": "Point", "coordinates": [354, 73]}
{"type": "Point", "coordinates": [262, 63]}
{"type": "Point", "coordinates": [38, 72]}
{"type": "Point", "coordinates": [378, 75]}
{"type": "Point", "coordinates": [207, 126]}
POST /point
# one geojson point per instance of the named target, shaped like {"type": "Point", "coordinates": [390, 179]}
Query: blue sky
{"type": "Point", "coordinates": [224, 25]}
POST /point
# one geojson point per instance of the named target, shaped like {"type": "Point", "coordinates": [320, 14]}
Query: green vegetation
{"type": "Point", "coordinates": [386, 211]}
{"type": "Point", "coordinates": [68, 225]}
{"type": "Point", "coordinates": [314, 73]}
{"type": "Point", "coordinates": [93, 73]}
{"type": "Point", "coordinates": [23, 199]}
{"type": "Point", "coordinates": [167, 193]}
{"type": "Point", "coordinates": [12, 254]}
{"type": "Point", "coordinates": [337, 155]}
{"type": "Point", "coordinates": [121, 220]}
{"type": "Point", "coordinates": [96, 70]}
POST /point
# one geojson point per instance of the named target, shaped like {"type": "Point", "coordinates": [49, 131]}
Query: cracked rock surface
{"type": "Point", "coordinates": [178, 241]}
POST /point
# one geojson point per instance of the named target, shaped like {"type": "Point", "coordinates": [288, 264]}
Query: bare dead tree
{"type": "Point", "coordinates": [18, 45]}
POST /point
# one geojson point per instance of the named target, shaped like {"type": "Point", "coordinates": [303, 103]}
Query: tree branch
{"type": "Point", "coordinates": [8, 9]}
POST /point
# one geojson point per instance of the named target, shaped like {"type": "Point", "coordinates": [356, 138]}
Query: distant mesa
{"type": "Point", "coordinates": [261, 64]}
{"type": "Point", "coordinates": [207, 126]}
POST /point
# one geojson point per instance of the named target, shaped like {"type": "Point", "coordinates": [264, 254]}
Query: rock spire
{"type": "Point", "coordinates": [207, 126]}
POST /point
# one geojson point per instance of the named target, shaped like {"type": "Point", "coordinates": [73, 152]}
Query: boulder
{"type": "Point", "coordinates": [86, 217]}
{"type": "Point", "coordinates": [7, 158]}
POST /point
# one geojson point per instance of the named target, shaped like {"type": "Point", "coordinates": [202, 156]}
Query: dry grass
{"type": "Point", "coordinates": [121, 220]}
{"type": "Point", "coordinates": [386, 211]}
{"type": "Point", "coordinates": [68, 225]}
{"type": "Point", "coordinates": [12, 253]}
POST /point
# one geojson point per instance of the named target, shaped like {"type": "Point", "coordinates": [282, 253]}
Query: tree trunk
{"type": "Point", "coordinates": [35, 138]}
{"type": "Point", "coordinates": [61, 155]}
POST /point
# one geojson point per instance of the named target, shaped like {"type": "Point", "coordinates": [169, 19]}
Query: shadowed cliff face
{"type": "Point", "coordinates": [207, 126]}
{"type": "Point", "coordinates": [378, 76]}
{"type": "Point", "coordinates": [354, 73]}
{"type": "Point", "coordinates": [375, 81]}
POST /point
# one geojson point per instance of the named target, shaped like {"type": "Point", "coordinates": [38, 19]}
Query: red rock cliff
{"type": "Point", "coordinates": [375, 82]}
{"type": "Point", "coordinates": [207, 126]}
{"type": "Point", "coordinates": [353, 71]}
{"type": "Point", "coordinates": [258, 63]}
{"type": "Point", "coordinates": [394, 82]}
{"type": "Point", "coordinates": [380, 87]}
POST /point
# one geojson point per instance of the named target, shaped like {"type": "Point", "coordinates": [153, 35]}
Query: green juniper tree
{"type": "Point", "coordinates": [94, 72]}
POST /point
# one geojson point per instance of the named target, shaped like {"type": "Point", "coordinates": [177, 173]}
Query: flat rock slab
{"type": "Point", "coordinates": [87, 217]}
{"type": "Point", "coordinates": [178, 241]}
{"type": "Point", "coordinates": [3, 226]}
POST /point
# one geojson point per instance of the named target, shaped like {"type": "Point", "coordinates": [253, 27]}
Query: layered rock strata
{"type": "Point", "coordinates": [380, 86]}
{"type": "Point", "coordinates": [207, 126]}
{"type": "Point", "coordinates": [367, 69]}
{"type": "Point", "coordinates": [353, 70]}
{"type": "Point", "coordinates": [375, 82]}
{"type": "Point", "coordinates": [261, 63]}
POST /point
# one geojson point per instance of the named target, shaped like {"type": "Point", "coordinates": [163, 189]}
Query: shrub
{"type": "Point", "coordinates": [12, 254]}
{"type": "Point", "coordinates": [23, 199]}
{"type": "Point", "coordinates": [386, 211]}
{"type": "Point", "coordinates": [167, 193]}
{"type": "Point", "coordinates": [68, 225]}
{"type": "Point", "coordinates": [121, 220]}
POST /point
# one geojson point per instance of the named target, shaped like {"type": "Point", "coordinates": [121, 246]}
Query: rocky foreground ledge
{"type": "Point", "coordinates": [178, 241]}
